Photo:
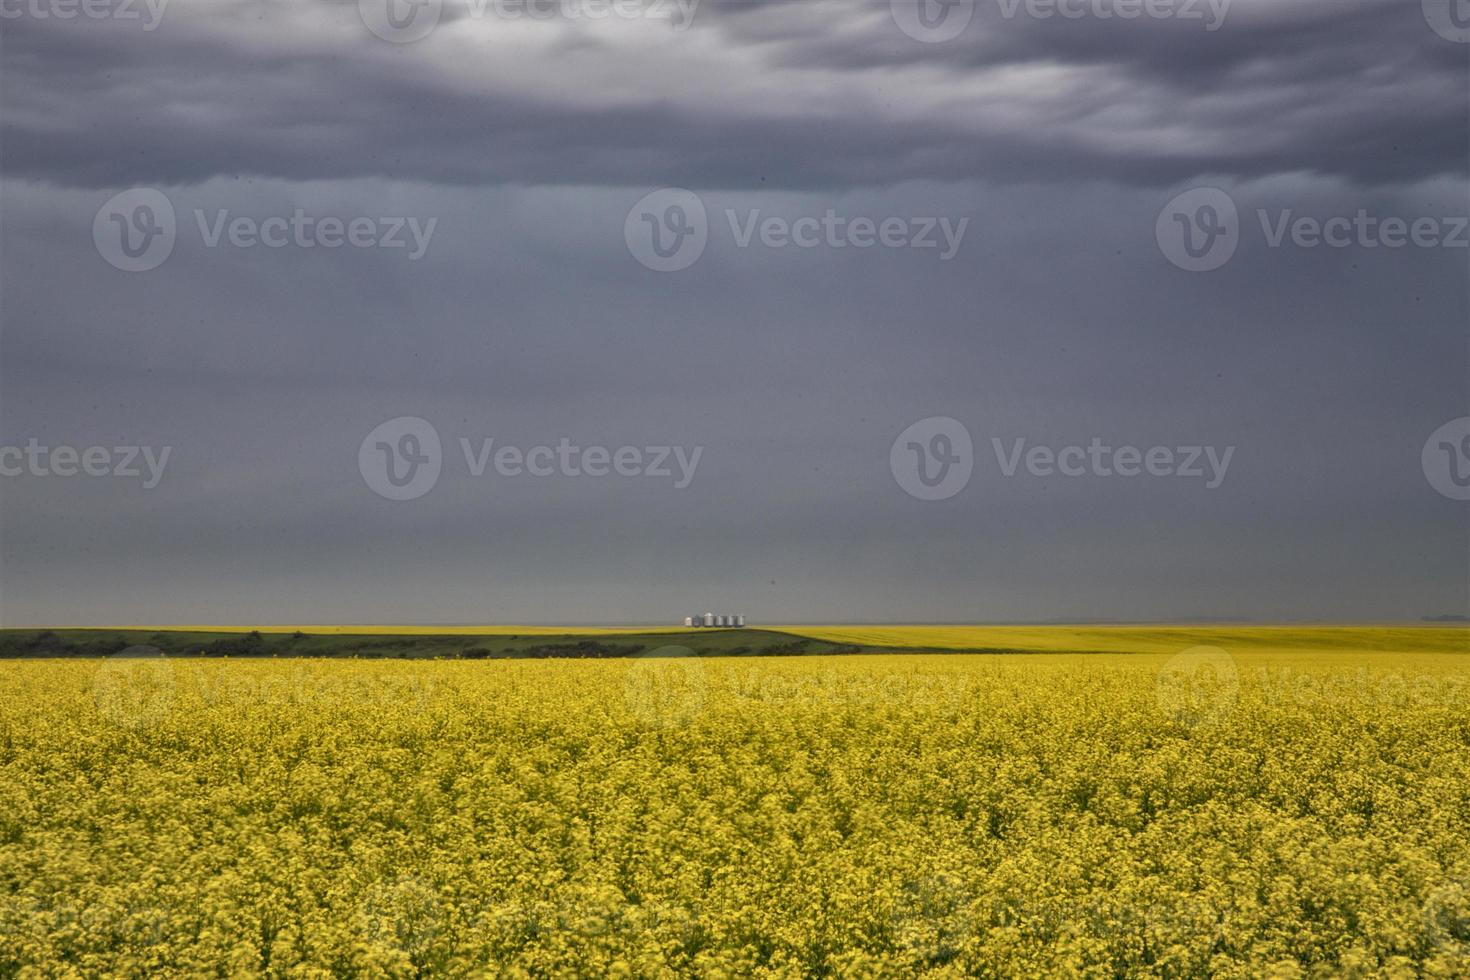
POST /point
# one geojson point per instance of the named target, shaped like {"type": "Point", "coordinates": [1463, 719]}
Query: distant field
{"type": "Point", "coordinates": [1209, 813]}
{"type": "Point", "coordinates": [369, 630]}
{"type": "Point", "coordinates": [1427, 638]}
{"type": "Point", "coordinates": [491, 644]}
{"type": "Point", "coordinates": [539, 642]}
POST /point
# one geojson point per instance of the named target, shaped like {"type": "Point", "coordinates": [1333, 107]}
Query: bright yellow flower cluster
{"type": "Point", "coordinates": [1210, 812]}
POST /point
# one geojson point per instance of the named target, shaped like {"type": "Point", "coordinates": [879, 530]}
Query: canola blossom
{"type": "Point", "coordinates": [1206, 811]}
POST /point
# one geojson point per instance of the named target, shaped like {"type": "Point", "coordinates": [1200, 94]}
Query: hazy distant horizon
{"type": "Point", "coordinates": [1447, 620]}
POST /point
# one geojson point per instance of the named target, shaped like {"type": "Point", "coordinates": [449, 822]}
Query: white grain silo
{"type": "Point", "coordinates": [740, 622]}
{"type": "Point", "coordinates": [709, 619]}
{"type": "Point", "coordinates": [688, 620]}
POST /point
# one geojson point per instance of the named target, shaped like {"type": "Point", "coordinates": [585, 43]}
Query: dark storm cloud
{"type": "Point", "coordinates": [529, 319]}
{"type": "Point", "coordinates": [819, 95]}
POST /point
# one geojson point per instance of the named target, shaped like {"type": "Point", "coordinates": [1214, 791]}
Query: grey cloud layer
{"type": "Point", "coordinates": [812, 94]}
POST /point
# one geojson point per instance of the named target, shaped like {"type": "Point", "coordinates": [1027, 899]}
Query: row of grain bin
{"type": "Point", "coordinates": [715, 621]}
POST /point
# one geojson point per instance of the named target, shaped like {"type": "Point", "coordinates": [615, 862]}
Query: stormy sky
{"type": "Point", "coordinates": [988, 211]}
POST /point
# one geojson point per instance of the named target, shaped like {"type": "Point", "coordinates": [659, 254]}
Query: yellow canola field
{"type": "Point", "coordinates": [1204, 812]}
{"type": "Point", "coordinates": [1449, 638]}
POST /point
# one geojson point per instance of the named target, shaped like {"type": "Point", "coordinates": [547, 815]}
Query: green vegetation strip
{"type": "Point", "coordinates": [19, 643]}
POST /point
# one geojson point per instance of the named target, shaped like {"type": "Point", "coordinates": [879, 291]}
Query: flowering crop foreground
{"type": "Point", "coordinates": [1233, 813]}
